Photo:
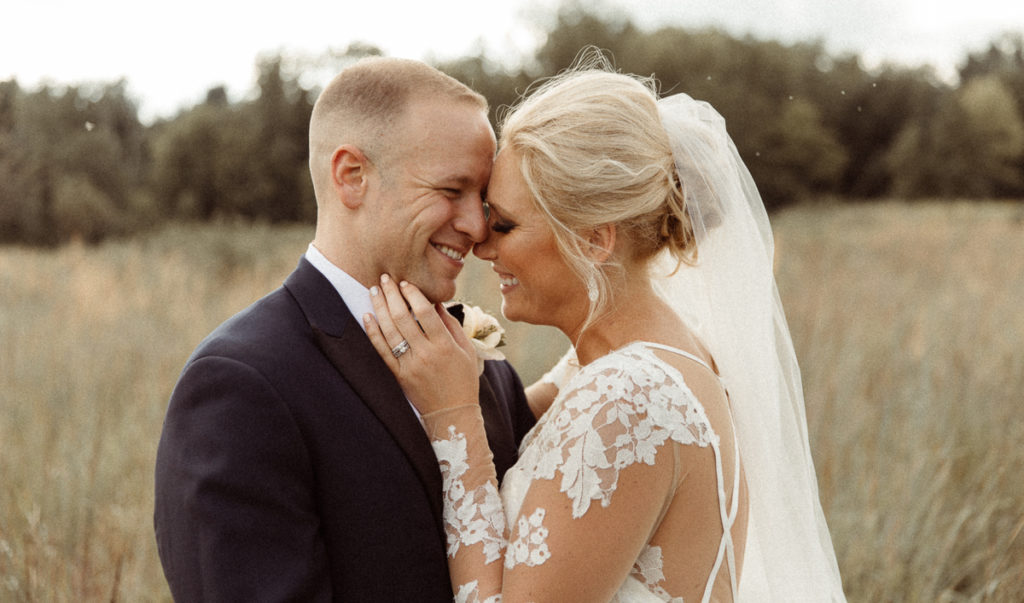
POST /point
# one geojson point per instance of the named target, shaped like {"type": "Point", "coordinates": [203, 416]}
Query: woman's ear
{"type": "Point", "coordinates": [350, 175]}
{"type": "Point", "coordinates": [602, 243]}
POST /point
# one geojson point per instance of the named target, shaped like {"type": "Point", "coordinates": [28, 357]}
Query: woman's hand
{"type": "Point", "coordinates": [438, 369]}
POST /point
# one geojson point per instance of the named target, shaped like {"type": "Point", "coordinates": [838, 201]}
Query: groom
{"type": "Point", "coordinates": [291, 466]}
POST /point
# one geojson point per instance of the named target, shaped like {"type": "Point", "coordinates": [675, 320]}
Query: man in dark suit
{"type": "Point", "coordinates": [291, 465]}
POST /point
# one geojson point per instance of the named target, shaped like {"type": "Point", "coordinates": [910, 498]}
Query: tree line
{"type": "Point", "coordinates": [77, 162]}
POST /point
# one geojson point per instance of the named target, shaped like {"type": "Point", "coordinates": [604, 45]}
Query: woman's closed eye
{"type": "Point", "coordinates": [501, 226]}
{"type": "Point", "coordinates": [497, 222]}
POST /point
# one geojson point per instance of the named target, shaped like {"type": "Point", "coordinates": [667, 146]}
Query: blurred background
{"type": "Point", "coordinates": [170, 138]}
{"type": "Point", "coordinates": [153, 182]}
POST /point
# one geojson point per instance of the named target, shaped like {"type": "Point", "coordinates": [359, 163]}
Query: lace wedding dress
{"type": "Point", "coordinates": [627, 439]}
{"type": "Point", "coordinates": [628, 408]}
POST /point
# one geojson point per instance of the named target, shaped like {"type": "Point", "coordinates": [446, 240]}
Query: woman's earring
{"type": "Point", "coordinates": [591, 288]}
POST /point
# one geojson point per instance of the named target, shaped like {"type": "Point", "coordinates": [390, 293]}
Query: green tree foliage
{"type": "Point", "coordinates": [197, 169]}
{"type": "Point", "coordinates": [248, 159]}
{"type": "Point", "coordinates": [868, 112]}
{"type": "Point", "coordinates": [1004, 59]}
{"type": "Point", "coordinates": [751, 83]}
{"type": "Point", "coordinates": [53, 142]}
{"type": "Point", "coordinates": [996, 137]}
{"type": "Point", "coordinates": [970, 143]}
{"type": "Point", "coordinates": [82, 208]}
{"type": "Point", "coordinates": [75, 161]}
{"type": "Point", "coordinates": [803, 157]}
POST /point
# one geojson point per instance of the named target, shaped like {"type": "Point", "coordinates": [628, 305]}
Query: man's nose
{"type": "Point", "coordinates": [470, 219]}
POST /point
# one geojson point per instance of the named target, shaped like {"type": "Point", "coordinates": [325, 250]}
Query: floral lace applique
{"type": "Point", "coordinates": [470, 593]}
{"type": "Point", "coordinates": [530, 545]}
{"type": "Point", "coordinates": [617, 411]}
{"type": "Point", "coordinates": [469, 516]}
{"type": "Point", "coordinates": [649, 568]}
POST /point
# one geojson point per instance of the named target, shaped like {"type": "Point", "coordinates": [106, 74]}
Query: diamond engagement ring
{"type": "Point", "coordinates": [400, 349]}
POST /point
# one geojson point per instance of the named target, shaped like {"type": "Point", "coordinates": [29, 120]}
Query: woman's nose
{"type": "Point", "coordinates": [485, 249]}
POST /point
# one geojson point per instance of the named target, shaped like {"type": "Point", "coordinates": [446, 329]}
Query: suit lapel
{"type": "Point", "coordinates": [348, 348]}
{"type": "Point", "coordinates": [357, 361]}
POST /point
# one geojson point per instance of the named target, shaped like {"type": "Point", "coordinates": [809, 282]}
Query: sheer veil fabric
{"type": "Point", "coordinates": [731, 301]}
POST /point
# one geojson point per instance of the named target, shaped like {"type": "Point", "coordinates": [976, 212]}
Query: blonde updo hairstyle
{"type": "Point", "coordinates": [593, 151]}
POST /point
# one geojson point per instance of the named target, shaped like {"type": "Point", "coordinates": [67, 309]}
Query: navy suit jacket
{"type": "Point", "coordinates": [291, 466]}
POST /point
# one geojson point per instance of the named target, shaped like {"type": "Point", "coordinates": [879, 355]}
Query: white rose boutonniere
{"type": "Point", "coordinates": [485, 332]}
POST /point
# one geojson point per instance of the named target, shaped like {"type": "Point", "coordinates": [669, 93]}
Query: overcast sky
{"type": "Point", "coordinates": [172, 52]}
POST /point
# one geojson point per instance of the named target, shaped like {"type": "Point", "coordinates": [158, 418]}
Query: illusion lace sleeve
{"type": "Point", "coordinates": [601, 468]}
{"type": "Point", "coordinates": [611, 419]}
{"type": "Point", "coordinates": [474, 519]}
{"type": "Point", "coordinates": [598, 469]}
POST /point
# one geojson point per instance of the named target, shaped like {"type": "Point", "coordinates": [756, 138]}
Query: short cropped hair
{"type": "Point", "coordinates": [364, 104]}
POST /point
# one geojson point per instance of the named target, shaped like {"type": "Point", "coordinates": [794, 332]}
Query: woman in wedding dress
{"type": "Point", "coordinates": [670, 460]}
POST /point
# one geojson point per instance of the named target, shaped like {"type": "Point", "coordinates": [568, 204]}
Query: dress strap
{"type": "Point", "coordinates": [683, 353]}
{"type": "Point", "coordinates": [726, 550]}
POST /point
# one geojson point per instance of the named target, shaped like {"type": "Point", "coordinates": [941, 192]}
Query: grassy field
{"type": "Point", "coordinates": [907, 321]}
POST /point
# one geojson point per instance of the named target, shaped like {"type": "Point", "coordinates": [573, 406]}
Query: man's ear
{"type": "Point", "coordinates": [602, 243]}
{"type": "Point", "coordinates": [350, 175]}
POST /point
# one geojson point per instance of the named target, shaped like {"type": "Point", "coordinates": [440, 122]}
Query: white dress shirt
{"type": "Point", "coordinates": [352, 292]}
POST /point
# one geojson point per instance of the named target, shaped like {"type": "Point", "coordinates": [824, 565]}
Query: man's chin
{"type": "Point", "coordinates": [438, 290]}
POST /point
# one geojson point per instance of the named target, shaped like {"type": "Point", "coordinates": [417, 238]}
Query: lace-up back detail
{"type": "Point", "coordinates": [629, 407]}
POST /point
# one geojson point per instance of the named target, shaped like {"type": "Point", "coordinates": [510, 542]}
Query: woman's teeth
{"type": "Point", "coordinates": [508, 281]}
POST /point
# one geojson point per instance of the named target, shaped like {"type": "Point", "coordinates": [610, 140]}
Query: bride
{"type": "Point", "coordinates": [670, 460]}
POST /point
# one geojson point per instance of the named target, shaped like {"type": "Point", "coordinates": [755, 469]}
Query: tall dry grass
{"type": "Point", "coordinates": [909, 324]}
{"type": "Point", "coordinates": [906, 321]}
{"type": "Point", "coordinates": [91, 343]}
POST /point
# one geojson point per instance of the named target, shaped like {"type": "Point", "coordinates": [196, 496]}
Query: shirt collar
{"type": "Point", "coordinates": [352, 292]}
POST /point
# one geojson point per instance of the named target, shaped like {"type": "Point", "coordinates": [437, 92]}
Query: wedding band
{"type": "Point", "coordinates": [400, 349]}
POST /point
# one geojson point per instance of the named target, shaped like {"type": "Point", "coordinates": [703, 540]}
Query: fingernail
{"type": "Point", "coordinates": [374, 290]}
{"type": "Point", "coordinates": [384, 278]}
{"type": "Point", "coordinates": [403, 284]}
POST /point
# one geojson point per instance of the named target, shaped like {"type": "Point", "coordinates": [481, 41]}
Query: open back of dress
{"type": "Point", "coordinates": [629, 407]}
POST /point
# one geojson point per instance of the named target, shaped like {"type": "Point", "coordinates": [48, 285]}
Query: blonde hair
{"type": "Point", "coordinates": [593, 152]}
{"type": "Point", "coordinates": [364, 105]}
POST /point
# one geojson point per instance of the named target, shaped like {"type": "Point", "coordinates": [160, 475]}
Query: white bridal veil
{"type": "Point", "coordinates": [730, 299]}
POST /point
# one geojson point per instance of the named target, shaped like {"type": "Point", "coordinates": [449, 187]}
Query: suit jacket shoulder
{"type": "Point", "coordinates": [276, 481]}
